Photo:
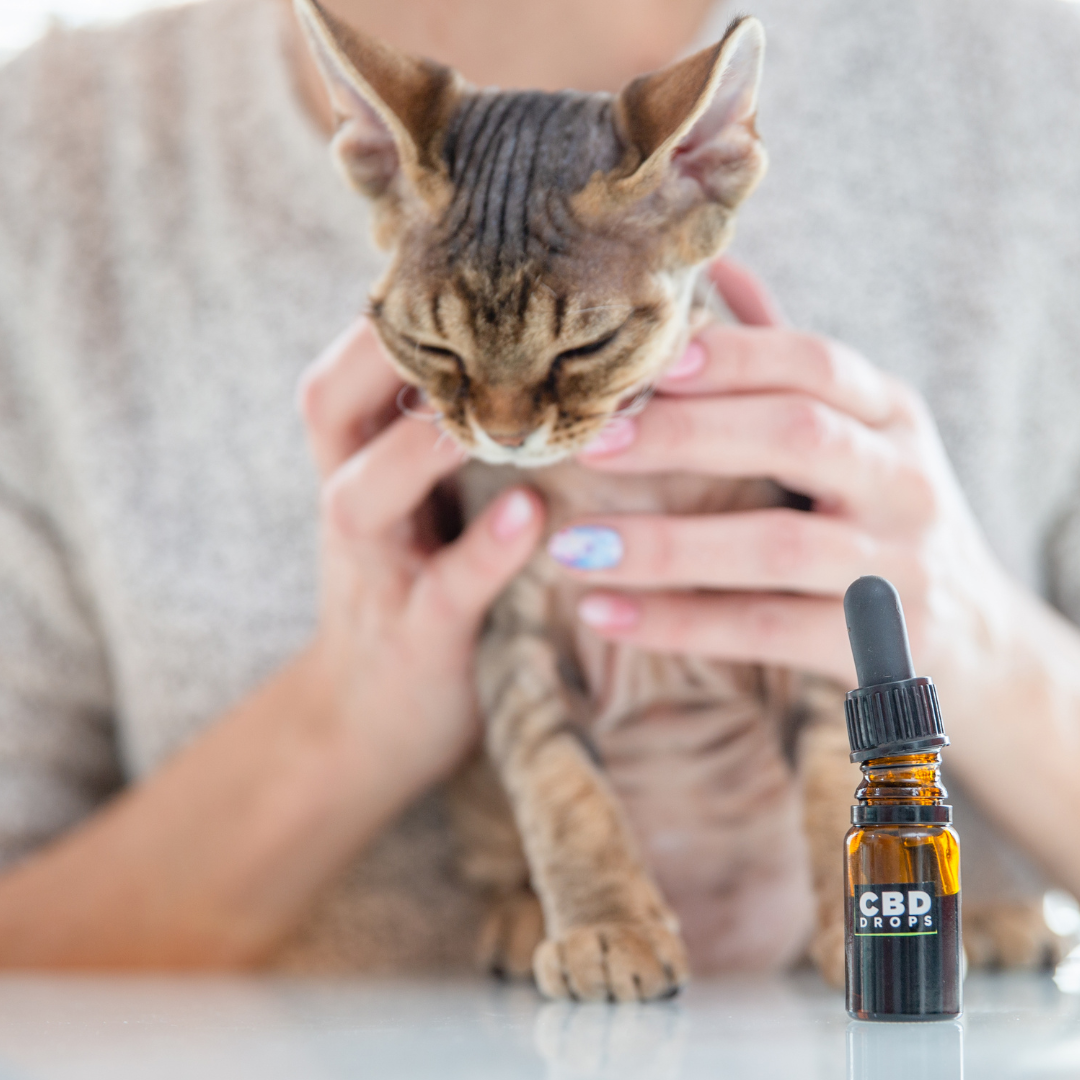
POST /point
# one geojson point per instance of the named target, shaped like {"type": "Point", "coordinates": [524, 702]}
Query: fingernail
{"type": "Point", "coordinates": [511, 518]}
{"type": "Point", "coordinates": [690, 363]}
{"type": "Point", "coordinates": [608, 612]}
{"type": "Point", "coordinates": [587, 547]}
{"type": "Point", "coordinates": [614, 436]}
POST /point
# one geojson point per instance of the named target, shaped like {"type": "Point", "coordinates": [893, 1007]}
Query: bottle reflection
{"type": "Point", "coordinates": [883, 1051]}
{"type": "Point", "coordinates": [611, 1042]}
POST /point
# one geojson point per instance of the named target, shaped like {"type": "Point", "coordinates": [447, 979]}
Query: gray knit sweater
{"type": "Point", "coordinates": [175, 248]}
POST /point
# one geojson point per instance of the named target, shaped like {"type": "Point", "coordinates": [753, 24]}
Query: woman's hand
{"type": "Point", "coordinates": [399, 613]}
{"type": "Point", "coordinates": [766, 586]}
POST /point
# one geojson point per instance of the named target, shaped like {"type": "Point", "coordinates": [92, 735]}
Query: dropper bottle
{"type": "Point", "coordinates": [901, 855]}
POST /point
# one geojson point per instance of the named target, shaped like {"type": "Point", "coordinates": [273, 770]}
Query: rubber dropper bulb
{"type": "Point", "coordinates": [878, 633]}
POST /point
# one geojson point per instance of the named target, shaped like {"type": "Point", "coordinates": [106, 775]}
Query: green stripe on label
{"type": "Point", "coordinates": [901, 933]}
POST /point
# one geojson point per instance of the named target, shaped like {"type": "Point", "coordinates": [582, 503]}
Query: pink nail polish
{"type": "Point", "coordinates": [690, 363]}
{"type": "Point", "coordinates": [608, 612]}
{"type": "Point", "coordinates": [614, 436]}
{"type": "Point", "coordinates": [513, 516]}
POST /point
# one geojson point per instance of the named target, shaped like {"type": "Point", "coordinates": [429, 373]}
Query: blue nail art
{"type": "Point", "coordinates": [587, 547]}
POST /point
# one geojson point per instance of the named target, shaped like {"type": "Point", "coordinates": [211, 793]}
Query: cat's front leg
{"type": "Point", "coordinates": [609, 934]}
{"type": "Point", "coordinates": [491, 859]}
{"type": "Point", "coordinates": [828, 780]}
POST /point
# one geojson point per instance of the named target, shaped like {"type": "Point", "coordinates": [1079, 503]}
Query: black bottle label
{"type": "Point", "coordinates": [907, 910]}
{"type": "Point", "coordinates": [903, 951]}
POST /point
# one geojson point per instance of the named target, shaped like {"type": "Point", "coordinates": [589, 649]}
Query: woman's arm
{"type": "Point", "coordinates": [761, 400]}
{"type": "Point", "coordinates": [215, 857]}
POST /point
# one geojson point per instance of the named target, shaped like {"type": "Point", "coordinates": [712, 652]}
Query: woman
{"type": "Point", "coordinates": [175, 247]}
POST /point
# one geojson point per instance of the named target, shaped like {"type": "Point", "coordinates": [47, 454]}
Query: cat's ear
{"type": "Point", "coordinates": [390, 109]}
{"type": "Point", "coordinates": [693, 122]}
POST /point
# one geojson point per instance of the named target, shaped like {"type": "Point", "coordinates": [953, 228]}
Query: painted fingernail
{"type": "Point", "coordinates": [513, 516]}
{"type": "Point", "coordinates": [608, 612]}
{"type": "Point", "coordinates": [614, 436]}
{"type": "Point", "coordinates": [587, 547]}
{"type": "Point", "coordinates": [690, 363]}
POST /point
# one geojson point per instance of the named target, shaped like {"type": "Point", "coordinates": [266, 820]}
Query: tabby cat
{"type": "Point", "coordinates": [546, 249]}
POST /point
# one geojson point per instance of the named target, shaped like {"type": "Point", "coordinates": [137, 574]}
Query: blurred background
{"type": "Point", "coordinates": [23, 20]}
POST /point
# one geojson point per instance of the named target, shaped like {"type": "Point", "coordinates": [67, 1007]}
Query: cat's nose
{"type": "Point", "coordinates": [511, 439]}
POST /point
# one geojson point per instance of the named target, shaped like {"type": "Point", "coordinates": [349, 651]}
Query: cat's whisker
{"type": "Point", "coordinates": [444, 437]}
{"type": "Point", "coordinates": [711, 301]}
{"type": "Point", "coordinates": [408, 410]}
{"type": "Point", "coordinates": [538, 283]}
{"type": "Point", "coordinates": [636, 403]}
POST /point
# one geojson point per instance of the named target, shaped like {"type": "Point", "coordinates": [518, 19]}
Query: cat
{"type": "Point", "coordinates": [546, 255]}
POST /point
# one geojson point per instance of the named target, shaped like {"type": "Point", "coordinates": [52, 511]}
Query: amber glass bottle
{"type": "Point", "coordinates": [902, 862]}
{"type": "Point", "coordinates": [901, 856]}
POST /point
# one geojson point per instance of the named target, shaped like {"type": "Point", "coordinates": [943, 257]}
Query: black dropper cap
{"type": "Point", "coordinates": [893, 711]}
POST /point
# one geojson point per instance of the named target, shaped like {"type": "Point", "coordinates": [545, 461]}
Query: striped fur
{"type": "Point", "coordinates": [514, 160]}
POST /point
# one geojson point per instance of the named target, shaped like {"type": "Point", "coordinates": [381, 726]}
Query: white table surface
{"type": "Point", "coordinates": [270, 1028]}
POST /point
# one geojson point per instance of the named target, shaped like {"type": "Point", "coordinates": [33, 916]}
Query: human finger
{"type": "Point", "coordinates": [807, 633]}
{"type": "Point", "coordinates": [385, 482]}
{"type": "Point", "coordinates": [745, 294]}
{"type": "Point", "coordinates": [739, 360]}
{"type": "Point", "coordinates": [463, 579]}
{"type": "Point", "coordinates": [802, 443]}
{"type": "Point", "coordinates": [347, 396]}
{"type": "Point", "coordinates": [774, 548]}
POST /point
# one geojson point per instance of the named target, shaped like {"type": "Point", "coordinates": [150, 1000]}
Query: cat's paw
{"type": "Point", "coordinates": [827, 952]}
{"type": "Point", "coordinates": [512, 928]}
{"type": "Point", "coordinates": [617, 961]}
{"type": "Point", "coordinates": [1013, 935]}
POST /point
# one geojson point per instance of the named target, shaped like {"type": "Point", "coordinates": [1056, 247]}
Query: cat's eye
{"type": "Point", "coordinates": [588, 350]}
{"type": "Point", "coordinates": [436, 350]}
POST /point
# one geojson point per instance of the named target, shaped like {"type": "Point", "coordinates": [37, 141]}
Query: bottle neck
{"type": "Point", "coordinates": [911, 779]}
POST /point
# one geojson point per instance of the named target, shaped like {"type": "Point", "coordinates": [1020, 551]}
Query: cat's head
{"type": "Point", "coordinates": [544, 245]}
